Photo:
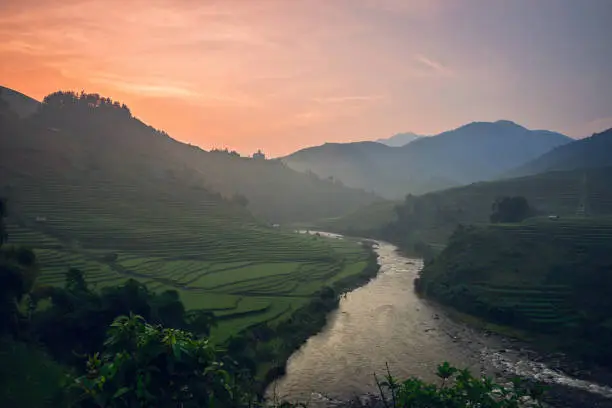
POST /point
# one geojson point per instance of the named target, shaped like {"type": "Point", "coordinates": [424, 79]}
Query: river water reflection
{"type": "Point", "coordinates": [384, 322]}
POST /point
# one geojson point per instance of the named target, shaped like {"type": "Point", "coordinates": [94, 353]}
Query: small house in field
{"type": "Point", "coordinates": [275, 225]}
{"type": "Point", "coordinates": [553, 217]}
{"type": "Point", "coordinates": [41, 219]}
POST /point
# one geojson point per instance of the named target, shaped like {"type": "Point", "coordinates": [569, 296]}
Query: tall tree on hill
{"type": "Point", "coordinates": [510, 209]}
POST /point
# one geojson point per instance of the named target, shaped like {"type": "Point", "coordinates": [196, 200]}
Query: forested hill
{"type": "Point", "coordinates": [89, 137]}
{"type": "Point", "coordinates": [545, 276]}
{"type": "Point", "coordinates": [431, 218]}
{"type": "Point", "coordinates": [594, 151]}
{"type": "Point", "coordinates": [477, 151]}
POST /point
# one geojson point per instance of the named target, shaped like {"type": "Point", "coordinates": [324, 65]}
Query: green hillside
{"type": "Point", "coordinates": [80, 135]}
{"type": "Point", "coordinates": [432, 217]}
{"type": "Point", "coordinates": [93, 188]}
{"type": "Point", "coordinates": [546, 276]}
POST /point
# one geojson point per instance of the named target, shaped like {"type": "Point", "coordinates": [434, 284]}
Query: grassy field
{"type": "Point", "coordinates": [215, 254]}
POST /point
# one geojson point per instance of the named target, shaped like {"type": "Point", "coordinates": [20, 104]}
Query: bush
{"type": "Point", "coordinates": [459, 389]}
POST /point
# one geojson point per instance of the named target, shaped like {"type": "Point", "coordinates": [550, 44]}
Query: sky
{"type": "Point", "coordinates": [279, 75]}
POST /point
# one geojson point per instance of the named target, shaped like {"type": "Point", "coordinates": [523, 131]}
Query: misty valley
{"type": "Point", "coordinates": [141, 271]}
{"type": "Point", "coordinates": [305, 204]}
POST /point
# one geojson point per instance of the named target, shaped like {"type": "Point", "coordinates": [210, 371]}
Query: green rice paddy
{"type": "Point", "coordinates": [216, 255]}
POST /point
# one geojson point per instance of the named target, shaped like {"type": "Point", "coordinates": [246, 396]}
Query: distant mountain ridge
{"type": "Point", "coordinates": [400, 139]}
{"type": "Point", "coordinates": [593, 151]}
{"type": "Point", "coordinates": [477, 151]}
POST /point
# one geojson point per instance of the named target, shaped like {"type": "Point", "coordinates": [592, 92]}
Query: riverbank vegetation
{"type": "Point", "coordinates": [77, 345]}
{"type": "Point", "coordinates": [547, 276]}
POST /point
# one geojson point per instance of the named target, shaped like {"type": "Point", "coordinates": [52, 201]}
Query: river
{"type": "Point", "coordinates": [385, 322]}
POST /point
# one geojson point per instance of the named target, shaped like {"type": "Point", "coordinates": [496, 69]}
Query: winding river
{"type": "Point", "coordinates": [384, 322]}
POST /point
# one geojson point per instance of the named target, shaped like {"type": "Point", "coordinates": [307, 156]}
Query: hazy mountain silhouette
{"type": "Point", "coordinates": [82, 139]}
{"type": "Point", "coordinates": [593, 151]}
{"type": "Point", "coordinates": [19, 103]}
{"type": "Point", "coordinates": [475, 152]}
{"type": "Point", "coordinates": [400, 139]}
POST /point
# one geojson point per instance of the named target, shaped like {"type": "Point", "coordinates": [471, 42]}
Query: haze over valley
{"type": "Point", "coordinates": [261, 203]}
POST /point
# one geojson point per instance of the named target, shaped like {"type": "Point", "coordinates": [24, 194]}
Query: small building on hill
{"type": "Point", "coordinates": [259, 155]}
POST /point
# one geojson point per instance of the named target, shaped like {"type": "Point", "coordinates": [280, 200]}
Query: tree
{"type": "Point", "coordinates": [76, 321]}
{"type": "Point", "coordinates": [510, 209]}
{"type": "Point", "coordinates": [151, 366]}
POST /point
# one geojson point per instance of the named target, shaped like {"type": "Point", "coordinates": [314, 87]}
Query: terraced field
{"type": "Point", "coordinates": [579, 230]}
{"type": "Point", "coordinates": [534, 274]}
{"type": "Point", "coordinates": [544, 306]}
{"type": "Point", "coordinates": [218, 256]}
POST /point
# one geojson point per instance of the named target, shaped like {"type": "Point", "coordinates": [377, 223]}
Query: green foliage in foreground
{"type": "Point", "coordinates": [75, 321]}
{"type": "Point", "coordinates": [459, 389]}
{"type": "Point", "coordinates": [149, 366]}
{"type": "Point", "coordinates": [145, 365]}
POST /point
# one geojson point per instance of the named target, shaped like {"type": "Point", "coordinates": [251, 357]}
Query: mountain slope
{"type": "Point", "coordinates": [594, 151]}
{"type": "Point", "coordinates": [85, 140]}
{"type": "Point", "coordinates": [19, 103]}
{"type": "Point", "coordinates": [474, 152]}
{"type": "Point", "coordinates": [432, 217]}
{"type": "Point", "coordinates": [400, 139]}
{"type": "Point", "coordinates": [89, 186]}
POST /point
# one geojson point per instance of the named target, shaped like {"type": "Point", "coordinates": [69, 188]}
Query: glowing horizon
{"type": "Point", "coordinates": [281, 75]}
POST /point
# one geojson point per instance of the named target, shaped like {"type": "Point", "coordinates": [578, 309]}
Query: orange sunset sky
{"type": "Point", "coordinates": [284, 74]}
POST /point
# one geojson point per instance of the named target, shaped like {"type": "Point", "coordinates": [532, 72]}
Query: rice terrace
{"type": "Point", "coordinates": [218, 257]}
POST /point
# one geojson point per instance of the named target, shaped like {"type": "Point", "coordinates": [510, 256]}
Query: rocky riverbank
{"type": "Point", "coordinates": [386, 322]}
